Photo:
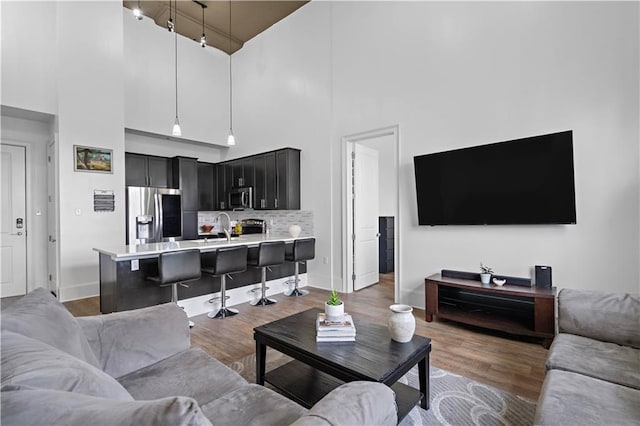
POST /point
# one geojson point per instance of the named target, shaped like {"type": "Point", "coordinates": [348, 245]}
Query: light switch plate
{"type": "Point", "coordinates": [135, 264]}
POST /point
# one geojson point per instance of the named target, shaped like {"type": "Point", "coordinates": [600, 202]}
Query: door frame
{"type": "Point", "coordinates": [53, 219]}
{"type": "Point", "coordinates": [347, 210]}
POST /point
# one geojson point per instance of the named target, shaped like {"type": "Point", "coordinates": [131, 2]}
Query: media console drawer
{"type": "Point", "coordinates": [526, 311]}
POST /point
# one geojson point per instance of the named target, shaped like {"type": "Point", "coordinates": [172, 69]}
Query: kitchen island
{"type": "Point", "coordinates": [124, 270]}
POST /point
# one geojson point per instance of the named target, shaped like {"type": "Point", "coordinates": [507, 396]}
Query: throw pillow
{"type": "Point", "coordinates": [26, 361]}
{"type": "Point", "coordinates": [40, 316]}
{"type": "Point", "coordinates": [22, 405]}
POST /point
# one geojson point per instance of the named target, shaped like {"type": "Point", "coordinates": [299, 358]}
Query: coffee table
{"type": "Point", "coordinates": [318, 368]}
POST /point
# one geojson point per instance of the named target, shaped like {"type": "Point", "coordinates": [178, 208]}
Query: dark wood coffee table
{"type": "Point", "coordinates": [318, 368]}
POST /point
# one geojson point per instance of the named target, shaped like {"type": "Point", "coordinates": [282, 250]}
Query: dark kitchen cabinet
{"type": "Point", "coordinates": [185, 178]}
{"type": "Point", "coordinates": [385, 244]}
{"type": "Point", "coordinates": [207, 188]}
{"type": "Point", "coordinates": [223, 183]}
{"type": "Point", "coordinates": [242, 171]}
{"type": "Point", "coordinates": [287, 179]}
{"type": "Point", "coordinates": [147, 170]}
{"type": "Point", "coordinates": [265, 181]}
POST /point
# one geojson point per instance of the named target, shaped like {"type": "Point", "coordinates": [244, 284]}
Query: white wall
{"type": "Point", "coordinates": [152, 145]}
{"type": "Point", "coordinates": [455, 75]}
{"type": "Point", "coordinates": [281, 82]}
{"type": "Point", "coordinates": [203, 83]}
{"type": "Point", "coordinates": [91, 113]}
{"type": "Point", "coordinates": [28, 55]}
{"type": "Point", "coordinates": [35, 135]}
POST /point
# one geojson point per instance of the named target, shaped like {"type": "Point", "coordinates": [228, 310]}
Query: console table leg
{"type": "Point", "coordinates": [428, 317]}
{"type": "Point", "coordinates": [423, 378]}
{"type": "Point", "coordinates": [261, 352]}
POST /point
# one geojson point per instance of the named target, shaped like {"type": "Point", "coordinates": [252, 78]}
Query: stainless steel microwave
{"type": "Point", "coordinates": [241, 198]}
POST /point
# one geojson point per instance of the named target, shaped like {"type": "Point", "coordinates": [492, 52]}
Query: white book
{"type": "Point", "coordinates": [346, 323]}
{"type": "Point", "coordinates": [335, 339]}
{"type": "Point", "coordinates": [333, 333]}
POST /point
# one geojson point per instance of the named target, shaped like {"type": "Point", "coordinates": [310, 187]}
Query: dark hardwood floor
{"type": "Point", "coordinates": [508, 363]}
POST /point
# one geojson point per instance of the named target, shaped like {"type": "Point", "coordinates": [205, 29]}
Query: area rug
{"type": "Point", "coordinates": [455, 400]}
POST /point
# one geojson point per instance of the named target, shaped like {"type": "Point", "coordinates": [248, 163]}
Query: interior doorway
{"type": "Point", "coordinates": [371, 200]}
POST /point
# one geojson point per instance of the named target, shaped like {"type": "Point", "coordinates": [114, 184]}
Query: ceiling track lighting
{"type": "Point", "coordinates": [170, 24]}
{"type": "Point", "coordinates": [203, 38]}
{"type": "Point", "coordinates": [231, 140]}
{"type": "Point", "coordinates": [137, 12]}
{"type": "Point", "coordinates": [176, 130]}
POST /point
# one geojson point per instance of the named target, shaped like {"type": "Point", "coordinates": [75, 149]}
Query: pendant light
{"type": "Point", "coordinates": [137, 12]}
{"type": "Point", "coordinates": [177, 131]}
{"type": "Point", "coordinates": [231, 140]}
{"type": "Point", "coordinates": [203, 39]}
{"type": "Point", "coordinates": [170, 25]}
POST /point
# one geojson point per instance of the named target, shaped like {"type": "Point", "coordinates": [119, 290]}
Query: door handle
{"type": "Point", "coordinates": [17, 233]}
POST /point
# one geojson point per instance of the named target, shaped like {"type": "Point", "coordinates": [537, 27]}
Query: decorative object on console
{"type": "Point", "coordinates": [401, 323]}
{"type": "Point", "coordinates": [543, 276]}
{"type": "Point", "coordinates": [334, 308]}
{"type": "Point", "coordinates": [499, 281]}
{"type": "Point", "coordinates": [295, 230]}
{"type": "Point", "coordinates": [485, 275]}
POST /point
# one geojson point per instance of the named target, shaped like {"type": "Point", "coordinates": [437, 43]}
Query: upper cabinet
{"type": "Point", "coordinates": [277, 180]}
{"type": "Point", "coordinates": [207, 188]}
{"type": "Point", "coordinates": [147, 170]}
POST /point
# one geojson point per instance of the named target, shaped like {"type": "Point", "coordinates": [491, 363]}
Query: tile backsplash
{"type": "Point", "coordinates": [280, 220]}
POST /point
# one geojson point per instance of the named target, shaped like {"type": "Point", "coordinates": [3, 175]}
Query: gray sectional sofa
{"type": "Point", "coordinates": [137, 367]}
{"type": "Point", "coordinates": [593, 366]}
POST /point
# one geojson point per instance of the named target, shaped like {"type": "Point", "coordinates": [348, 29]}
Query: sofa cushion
{"type": "Point", "coordinates": [26, 361]}
{"type": "Point", "coordinates": [252, 405]}
{"type": "Point", "coordinates": [191, 373]}
{"type": "Point", "coordinates": [23, 405]}
{"type": "Point", "coordinates": [609, 317]}
{"type": "Point", "coordinates": [602, 360]}
{"type": "Point", "coordinates": [568, 398]}
{"type": "Point", "coordinates": [40, 316]}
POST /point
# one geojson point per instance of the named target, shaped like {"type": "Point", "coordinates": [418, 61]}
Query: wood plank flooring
{"type": "Point", "coordinates": [515, 365]}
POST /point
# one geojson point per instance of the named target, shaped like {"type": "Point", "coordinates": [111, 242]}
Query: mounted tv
{"type": "Point", "coordinates": [518, 182]}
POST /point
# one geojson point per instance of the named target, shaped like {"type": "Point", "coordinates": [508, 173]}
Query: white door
{"type": "Point", "coordinates": [13, 229]}
{"type": "Point", "coordinates": [365, 216]}
{"type": "Point", "coordinates": [52, 218]}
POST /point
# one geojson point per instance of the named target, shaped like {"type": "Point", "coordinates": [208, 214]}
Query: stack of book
{"type": "Point", "coordinates": [335, 330]}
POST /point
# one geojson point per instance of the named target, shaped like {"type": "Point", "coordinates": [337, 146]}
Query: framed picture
{"type": "Point", "coordinates": [88, 159]}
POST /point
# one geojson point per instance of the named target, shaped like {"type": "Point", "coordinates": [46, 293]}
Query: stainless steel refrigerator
{"type": "Point", "coordinates": [153, 215]}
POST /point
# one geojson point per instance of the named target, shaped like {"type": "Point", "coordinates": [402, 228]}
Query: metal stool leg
{"type": "Point", "coordinates": [223, 312]}
{"type": "Point", "coordinates": [296, 291]}
{"type": "Point", "coordinates": [174, 299]}
{"type": "Point", "coordinates": [264, 301]}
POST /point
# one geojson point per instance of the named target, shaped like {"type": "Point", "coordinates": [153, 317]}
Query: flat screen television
{"type": "Point", "coordinates": [522, 181]}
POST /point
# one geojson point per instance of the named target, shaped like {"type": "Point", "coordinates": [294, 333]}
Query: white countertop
{"type": "Point", "coordinates": [125, 252]}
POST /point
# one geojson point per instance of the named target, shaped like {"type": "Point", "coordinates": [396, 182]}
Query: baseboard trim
{"type": "Point", "coordinates": [81, 291]}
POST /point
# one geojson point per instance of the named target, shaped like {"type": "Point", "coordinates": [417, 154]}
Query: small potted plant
{"type": "Point", "coordinates": [485, 274]}
{"type": "Point", "coordinates": [334, 308]}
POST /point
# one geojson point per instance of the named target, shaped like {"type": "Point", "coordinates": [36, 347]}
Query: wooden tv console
{"type": "Point", "coordinates": [526, 311]}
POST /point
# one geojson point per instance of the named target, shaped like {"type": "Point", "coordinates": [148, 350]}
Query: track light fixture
{"type": "Point", "coordinates": [231, 140]}
{"type": "Point", "coordinates": [170, 24]}
{"type": "Point", "coordinates": [203, 38]}
{"type": "Point", "coordinates": [137, 12]}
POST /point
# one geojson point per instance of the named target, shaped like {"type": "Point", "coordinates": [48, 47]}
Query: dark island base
{"type": "Point", "coordinates": [122, 289]}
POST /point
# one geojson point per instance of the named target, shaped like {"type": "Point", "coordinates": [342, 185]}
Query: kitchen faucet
{"type": "Point", "coordinates": [227, 232]}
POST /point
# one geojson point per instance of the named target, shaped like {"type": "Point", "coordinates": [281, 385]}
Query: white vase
{"type": "Point", "coordinates": [401, 323]}
{"type": "Point", "coordinates": [485, 278]}
{"type": "Point", "coordinates": [294, 230]}
{"type": "Point", "coordinates": [334, 312]}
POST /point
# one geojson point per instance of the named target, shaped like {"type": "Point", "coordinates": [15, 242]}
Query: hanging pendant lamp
{"type": "Point", "coordinates": [170, 24]}
{"type": "Point", "coordinates": [176, 131]}
{"type": "Point", "coordinates": [231, 140]}
{"type": "Point", "coordinates": [137, 12]}
{"type": "Point", "coordinates": [203, 38]}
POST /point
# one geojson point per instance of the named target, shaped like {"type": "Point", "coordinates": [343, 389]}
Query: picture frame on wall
{"type": "Point", "coordinates": [90, 159]}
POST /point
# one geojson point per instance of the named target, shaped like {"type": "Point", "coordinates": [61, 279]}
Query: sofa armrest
{"type": "Point", "coordinates": [354, 403]}
{"type": "Point", "coordinates": [608, 317]}
{"type": "Point", "coordinates": [126, 341]}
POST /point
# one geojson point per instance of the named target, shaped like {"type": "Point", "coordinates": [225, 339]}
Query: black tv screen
{"type": "Point", "coordinates": [522, 181]}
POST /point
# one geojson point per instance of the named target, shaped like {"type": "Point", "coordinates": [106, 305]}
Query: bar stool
{"type": "Point", "coordinates": [267, 254]}
{"type": "Point", "coordinates": [227, 260]}
{"type": "Point", "coordinates": [178, 267]}
{"type": "Point", "coordinates": [299, 252]}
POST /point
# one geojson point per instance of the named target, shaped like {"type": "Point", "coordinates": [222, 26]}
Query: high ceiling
{"type": "Point", "coordinates": [248, 18]}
